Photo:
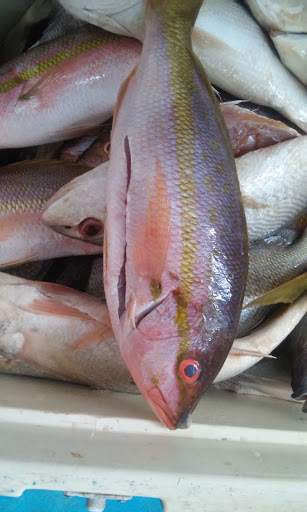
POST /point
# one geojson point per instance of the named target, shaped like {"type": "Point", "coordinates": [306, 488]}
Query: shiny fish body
{"type": "Point", "coordinates": [238, 58]}
{"type": "Point", "coordinates": [269, 267]}
{"type": "Point", "coordinates": [285, 15]}
{"type": "Point", "coordinates": [25, 187]}
{"type": "Point", "coordinates": [65, 213]}
{"type": "Point", "coordinates": [292, 49]}
{"type": "Point", "coordinates": [125, 17]}
{"type": "Point", "coordinates": [273, 185]}
{"type": "Point", "coordinates": [61, 89]}
{"type": "Point", "coordinates": [175, 253]}
{"type": "Point", "coordinates": [59, 332]}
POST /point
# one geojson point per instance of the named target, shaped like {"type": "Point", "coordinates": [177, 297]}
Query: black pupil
{"type": "Point", "coordinates": [190, 370]}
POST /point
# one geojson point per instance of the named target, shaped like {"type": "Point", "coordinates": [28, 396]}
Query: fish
{"type": "Point", "coordinates": [59, 333]}
{"type": "Point", "coordinates": [35, 270]}
{"type": "Point", "coordinates": [273, 186]}
{"type": "Point", "coordinates": [297, 351]}
{"type": "Point", "coordinates": [261, 342]}
{"type": "Point", "coordinates": [292, 49]}
{"type": "Point", "coordinates": [66, 214]}
{"type": "Point", "coordinates": [73, 149]}
{"type": "Point", "coordinates": [61, 23]}
{"type": "Point", "coordinates": [71, 271]}
{"type": "Point", "coordinates": [25, 188]}
{"type": "Point", "coordinates": [232, 47]}
{"type": "Point", "coordinates": [99, 151]}
{"type": "Point", "coordinates": [272, 182]}
{"type": "Point", "coordinates": [175, 244]}
{"type": "Point", "coordinates": [124, 17]}
{"type": "Point", "coordinates": [94, 285]}
{"type": "Point", "coordinates": [269, 266]}
{"type": "Point", "coordinates": [63, 88]}
{"type": "Point", "coordinates": [284, 15]}
{"type": "Point", "coordinates": [239, 59]}
{"type": "Point", "coordinates": [54, 331]}
{"type": "Point", "coordinates": [249, 131]}
{"type": "Point", "coordinates": [269, 378]}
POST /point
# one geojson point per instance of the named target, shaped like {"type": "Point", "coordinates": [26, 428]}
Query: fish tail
{"type": "Point", "coordinates": [173, 10]}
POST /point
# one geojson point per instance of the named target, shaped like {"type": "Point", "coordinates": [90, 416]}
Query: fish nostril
{"type": "Point", "coordinates": [90, 227]}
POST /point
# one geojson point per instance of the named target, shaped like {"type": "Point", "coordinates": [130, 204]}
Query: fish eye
{"type": "Point", "coordinates": [90, 227]}
{"type": "Point", "coordinates": [189, 370]}
{"type": "Point", "coordinates": [107, 148]}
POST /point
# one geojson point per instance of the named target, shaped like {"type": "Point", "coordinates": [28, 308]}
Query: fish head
{"type": "Point", "coordinates": [171, 371]}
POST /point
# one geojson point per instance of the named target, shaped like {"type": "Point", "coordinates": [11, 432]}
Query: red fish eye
{"type": "Point", "coordinates": [189, 370]}
{"type": "Point", "coordinates": [90, 227]}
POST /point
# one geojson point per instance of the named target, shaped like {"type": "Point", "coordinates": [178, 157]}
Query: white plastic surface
{"type": "Point", "coordinates": [240, 454]}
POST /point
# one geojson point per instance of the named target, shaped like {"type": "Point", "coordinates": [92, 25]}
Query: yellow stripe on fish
{"type": "Point", "coordinates": [42, 67]}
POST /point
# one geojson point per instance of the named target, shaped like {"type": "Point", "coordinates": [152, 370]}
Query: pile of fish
{"type": "Point", "coordinates": [152, 227]}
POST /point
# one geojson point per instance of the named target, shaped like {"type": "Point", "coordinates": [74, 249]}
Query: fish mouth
{"type": "Point", "coordinates": [170, 419]}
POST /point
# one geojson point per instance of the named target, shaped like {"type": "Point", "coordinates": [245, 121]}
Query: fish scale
{"type": "Point", "coordinates": [174, 269]}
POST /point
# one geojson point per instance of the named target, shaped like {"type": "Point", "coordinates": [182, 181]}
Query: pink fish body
{"type": "Point", "coordinates": [175, 240]}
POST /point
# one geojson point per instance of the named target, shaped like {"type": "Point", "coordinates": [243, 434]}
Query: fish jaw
{"type": "Point", "coordinates": [154, 353]}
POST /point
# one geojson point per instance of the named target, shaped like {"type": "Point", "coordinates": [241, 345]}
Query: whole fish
{"type": "Point", "coordinates": [269, 267]}
{"type": "Point", "coordinates": [292, 49]}
{"type": "Point", "coordinates": [297, 350]}
{"type": "Point", "coordinates": [25, 188]}
{"type": "Point", "coordinates": [175, 252]}
{"type": "Point", "coordinates": [273, 185]}
{"type": "Point", "coordinates": [51, 331]}
{"type": "Point", "coordinates": [286, 15]}
{"type": "Point", "coordinates": [66, 214]}
{"type": "Point", "coordinates": [263, 340]}
{"type": "Point", "coordinates": [249, 131]}
{"type": "Point", "coordinates": [60, 332]}
{"type": "Point", "coordinates": [238, 58]}
{"type": "Point", "coordinates": [63, 88]}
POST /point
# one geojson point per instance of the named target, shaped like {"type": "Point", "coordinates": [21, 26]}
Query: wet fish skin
{"type": "Point", "coordinates": [292, 49]}
{"type": "Point", "coordinates": [35, 270]}
{"type": "Point", "coordinates": [297, 350]}
{"type": "Point", "coordinates": [59, 332]}
{"type": "Point", "coordinates": [269, 267]}
{"type": "Point", "coordinates": [99, 151]}
{"type": "Point", "coordinates": [25, 188]}
{"type": "Point", "coordinates": [229, 43]}
{"type": "Point", "coordinates": [63, 88]}
{"type": "Point", "coordinates": [95, 283]}
{"type": "Point", "coordinates": [285, 15]}
{"type": "Point", "coordinates": [238, 59]}
{"type": "Point", "coordinates": [168, 252]}
{"type": "Point", "coordinates": [249, 131]}
{"type": "Point", "coordinates": [273, 186]}
{"type": "Point", "coordinates": [66, 214]}
{"type": "Point", "coordinates": [125, 17]}
{"type": "Point", "coordinates": [47, 320]}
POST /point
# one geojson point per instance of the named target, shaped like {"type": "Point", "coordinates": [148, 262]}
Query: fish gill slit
{"type": "Point", "coordinates": [121, 283]}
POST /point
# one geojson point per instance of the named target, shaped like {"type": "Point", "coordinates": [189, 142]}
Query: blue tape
{"type": "Point", "coordinates": [35, 500]}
